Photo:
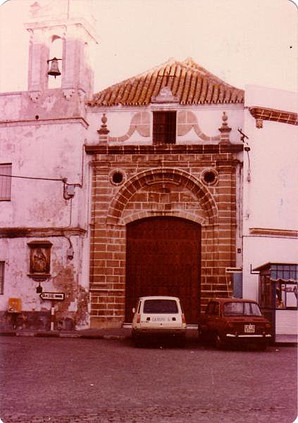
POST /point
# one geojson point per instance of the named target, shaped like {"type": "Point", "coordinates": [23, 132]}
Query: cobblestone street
{"type": "Point", "coordinates": [98, 380]}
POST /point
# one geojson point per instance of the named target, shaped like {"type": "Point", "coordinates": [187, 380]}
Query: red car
{"type": "Point", "coordinates": [234, 320]}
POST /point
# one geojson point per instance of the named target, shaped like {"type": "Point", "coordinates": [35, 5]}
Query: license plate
{"type": "Point", "coordinates": [158, 319]}
{"type": "Point", "coordinates": [249, 328]}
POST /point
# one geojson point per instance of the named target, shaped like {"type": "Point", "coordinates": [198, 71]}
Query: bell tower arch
{"type": "Point", "coordinates": [69, 33]}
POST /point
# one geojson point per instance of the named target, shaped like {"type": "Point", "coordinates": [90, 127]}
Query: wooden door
{"type": "Point", "coordinates": [163, 258]}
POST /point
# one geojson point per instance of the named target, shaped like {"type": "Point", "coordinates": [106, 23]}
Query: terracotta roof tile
{"type": "Point", "coordinates": [188, 81]}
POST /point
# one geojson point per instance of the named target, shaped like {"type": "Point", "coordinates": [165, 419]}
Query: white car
{"type": "Point", "coordinates": [158, 316]}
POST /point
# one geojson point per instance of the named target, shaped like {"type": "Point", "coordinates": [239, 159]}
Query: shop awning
{"type": "Point", "coordinates": [287, 272]}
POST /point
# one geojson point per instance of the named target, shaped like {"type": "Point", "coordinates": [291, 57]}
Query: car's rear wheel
{"type": "Point", "coordinates": [204, 337]}
{"type": "Point", "coordinates": [181, 341]}
{"type": "Point", "coordinates": [136, 340]}
{"type": "Point", "coordinates": [262, 346]}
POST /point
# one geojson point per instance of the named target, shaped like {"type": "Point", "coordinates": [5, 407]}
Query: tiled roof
{"type": "Point", "coordinates": [188, 82]}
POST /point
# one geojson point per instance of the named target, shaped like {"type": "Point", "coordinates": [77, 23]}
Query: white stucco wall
{"type": "Point", "coordinates": [43, 152]}
{"type": "Point", "coordinates": [15, 253]}
{"type": "Point", "coordinates": [270, 97]}
{"type": "Point", "coordinates": [270, 194]}
{"type": "Point", "coordinates": [286, 322]}
{"type": "Point", "coordinates": [49, 151]}
{"type": "Point", "coordinates": [259, 250]}
{"type": "Point", "coordinates": [208, 120]}
{"type": "Point", "coordinates": [270, 197]}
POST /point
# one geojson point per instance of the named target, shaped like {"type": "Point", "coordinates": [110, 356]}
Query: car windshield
{"type": "Point", "coordinates": [239, 308]}
{"type": "Point", "coordinates": [160, 306]}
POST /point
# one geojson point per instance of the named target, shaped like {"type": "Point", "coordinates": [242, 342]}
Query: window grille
{"type": "Point", "coordinates": [164, 127]}
{"type": "Point", "coordinates": [2, 277]}
{"type": "Point", "coordinates": [5, 182]}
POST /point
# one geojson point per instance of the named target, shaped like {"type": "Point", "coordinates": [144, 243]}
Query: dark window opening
{"type": "Point", "coordinates": [5, 182]}
{"type": "Point", "coordinates": [239, 309]}
{"type": "Point", "coordinates": [160, 306]}
{"type": "Point", "coordinates": [286, 295]}
{"type": "Point", "coordinates": [2, 263]}
{"type": "Point", "coordinates": [164, 127]}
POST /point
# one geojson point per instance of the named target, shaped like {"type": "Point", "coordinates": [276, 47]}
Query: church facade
{"type": "Point", "coordinates": [166, 173]}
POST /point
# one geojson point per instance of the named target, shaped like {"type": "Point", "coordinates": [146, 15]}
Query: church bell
{"type": "Point", "coordinates": [54, 68]}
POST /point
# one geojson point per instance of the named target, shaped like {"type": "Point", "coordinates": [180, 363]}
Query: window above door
{"type": "Point", "coordinates": [164, 127]}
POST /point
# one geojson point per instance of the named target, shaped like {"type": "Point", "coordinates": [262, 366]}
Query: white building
{"type": "Point", "coordinates": [270, 205]}
{"type": "Point", "coordinates": [44, 241]}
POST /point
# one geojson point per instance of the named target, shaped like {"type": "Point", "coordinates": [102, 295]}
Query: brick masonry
{"type": "Point", "coordinates": [132, 183]}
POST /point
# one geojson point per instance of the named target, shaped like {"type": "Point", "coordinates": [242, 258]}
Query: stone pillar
{"type": "Point", "coordinates": [38, 56]}
{"type": "Point", "coordinates": [224, 130]}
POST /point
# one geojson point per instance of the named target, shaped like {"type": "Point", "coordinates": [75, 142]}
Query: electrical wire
{"type": "Point", "coordinates": [35, 178]}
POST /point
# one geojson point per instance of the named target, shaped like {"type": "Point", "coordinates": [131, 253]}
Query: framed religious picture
{"type": "Point", "coordinates": [40, 259]}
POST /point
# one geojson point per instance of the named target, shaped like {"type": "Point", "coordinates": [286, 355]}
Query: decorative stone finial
{"type": "Point", "coordinates": [224, 129]}
{"type": "Point", "coordinates": [35, 9]}
{"type": "Point", "coordinates": [103, 131]}
{"type": "Point", "coordinates": [224, 126]}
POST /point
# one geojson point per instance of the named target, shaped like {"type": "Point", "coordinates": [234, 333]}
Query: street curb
{"type": "Point", "coordinates": [44, 334]}
{"type": "Point", "coordinates": [285, 344]}
{"type": "Point", "coordinates": [94, 335]}
{"type": "Point", "coordinates": [57, 334]}
{"type": "Point", "coordinates": [8, 333]}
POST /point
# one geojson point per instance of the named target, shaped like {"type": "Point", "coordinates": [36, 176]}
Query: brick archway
{"type": "Point", "coordinates": [168, 193]}
{"type": "Point", "coordinates": [160, 175]}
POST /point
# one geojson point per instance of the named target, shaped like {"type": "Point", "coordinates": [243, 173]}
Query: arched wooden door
{"type": "Point", "coordinates": [163, 258]}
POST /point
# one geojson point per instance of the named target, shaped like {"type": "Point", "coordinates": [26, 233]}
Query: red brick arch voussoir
{"type": "Point", "coordinates": [147, 177]}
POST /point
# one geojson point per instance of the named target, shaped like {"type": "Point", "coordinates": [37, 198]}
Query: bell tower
{"type": "Point", "coordinates": [61, 33]}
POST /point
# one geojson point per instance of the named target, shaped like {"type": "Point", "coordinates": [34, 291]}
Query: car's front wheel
{"type": "Point", "coordinates": [218, 341]}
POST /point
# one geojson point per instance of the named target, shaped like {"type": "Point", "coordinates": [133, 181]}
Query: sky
{"type": "Point", "coordinates": [243, 42]}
